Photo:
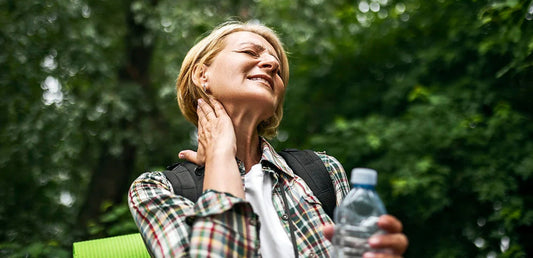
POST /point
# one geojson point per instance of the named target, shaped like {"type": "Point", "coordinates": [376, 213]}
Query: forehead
{"type": "Point", "coordinates": [245, 38]}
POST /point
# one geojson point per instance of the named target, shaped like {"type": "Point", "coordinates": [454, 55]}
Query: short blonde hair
{"type": "Point", "coordinates": [205, 51]}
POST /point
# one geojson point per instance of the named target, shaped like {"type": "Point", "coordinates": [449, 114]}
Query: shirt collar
{"type": "Point", "coordinates": [272, 158]}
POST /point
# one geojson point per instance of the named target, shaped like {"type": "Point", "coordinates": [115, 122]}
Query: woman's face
{"type": "Point", "coordinates": [245, 75]}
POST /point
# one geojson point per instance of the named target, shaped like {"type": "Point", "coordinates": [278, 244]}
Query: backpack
{"type": "Point", "coordinates": [187, 178]}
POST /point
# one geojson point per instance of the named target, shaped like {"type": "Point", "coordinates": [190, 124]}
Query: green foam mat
{"type": "Point", "coordinates": [131, 245]}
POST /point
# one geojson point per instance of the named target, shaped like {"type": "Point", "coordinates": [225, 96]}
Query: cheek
{"type": "Point", "coordinates": [281, 87]}
{"type": "Point", "coordinates": [221, 79]}
{"type": "Point", "coordinates": [280, 97]}
{"type": "Point", "coordinates": [233, 74]}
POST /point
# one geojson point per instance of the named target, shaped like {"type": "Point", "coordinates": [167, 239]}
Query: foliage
{"type": "Point", "coordinates": [115, 221]}
{"type": "Point", "coordinates": [433, 94]}
{"type": "Point", "coordinates": [451, 133]}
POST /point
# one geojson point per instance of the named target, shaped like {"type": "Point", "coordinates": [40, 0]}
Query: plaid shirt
{"type": "Point", "coordinates": [222, 225]}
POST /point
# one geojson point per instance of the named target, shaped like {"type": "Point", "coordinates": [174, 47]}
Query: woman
{"type": "Point", "coordinates": [231, 86]}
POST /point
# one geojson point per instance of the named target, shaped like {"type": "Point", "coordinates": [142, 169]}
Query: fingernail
{"type": "Point", "coordinates": [200, 101]}
{"type": "Point", "coordinates": [180, 155]}
{"type": "Point", "coordinates": [373, 241]}
{"type": "Point", "coordinates": [369, 255]}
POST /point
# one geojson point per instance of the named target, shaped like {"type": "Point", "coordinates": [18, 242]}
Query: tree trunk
{"type": "Point", "coordinates": [111, 177]}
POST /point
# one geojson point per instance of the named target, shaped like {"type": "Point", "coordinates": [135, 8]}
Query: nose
{"type": "Point", "coordinates": [269, 63]}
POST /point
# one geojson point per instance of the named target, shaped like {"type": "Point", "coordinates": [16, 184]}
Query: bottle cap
{"type": "Point", "coordinates": [364, 176]}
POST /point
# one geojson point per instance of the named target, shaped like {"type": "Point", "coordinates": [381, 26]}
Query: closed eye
{"type": "Point", "coordinates": [250, 52]}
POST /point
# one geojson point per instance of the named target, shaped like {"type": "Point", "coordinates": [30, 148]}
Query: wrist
{"type": "Point", "coordinates": [222, 174]}
{"type": "Point", "coordinates": [220, 156]}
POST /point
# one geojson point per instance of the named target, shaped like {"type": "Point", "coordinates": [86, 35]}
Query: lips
{"type": "Point", "coordinates": [262, 78]}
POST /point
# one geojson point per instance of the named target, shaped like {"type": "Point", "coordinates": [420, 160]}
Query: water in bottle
{"type": "Point", "coordinates": [357, 215]}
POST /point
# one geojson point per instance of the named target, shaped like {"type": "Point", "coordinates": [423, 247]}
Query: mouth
{"type": "Point", "coordinates": [262, 78]}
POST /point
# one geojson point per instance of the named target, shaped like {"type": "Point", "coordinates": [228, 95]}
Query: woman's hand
{"type": "Point", "coordinates": [394, 240]}
{"type": "Point", "coordinates": [217, 146]}
{"type": "Point", "coordinates": [215, 134]}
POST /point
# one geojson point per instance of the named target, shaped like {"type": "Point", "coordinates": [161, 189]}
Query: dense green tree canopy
{"type": "Point", "coordinates": [432, 94]}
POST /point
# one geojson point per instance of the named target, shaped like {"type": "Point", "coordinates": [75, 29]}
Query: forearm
{"type": "Point", "coordinates": [222, 175]}
{"type": "Point", "coordinates": [160, 215]}
{"type": "Point", "coordinates": [175, 226]}
{"type": "Point", "coordinates": [233, 233]}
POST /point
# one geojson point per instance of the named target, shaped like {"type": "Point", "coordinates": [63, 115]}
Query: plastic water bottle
{"type": "Point", "coordinates": [357, 216]}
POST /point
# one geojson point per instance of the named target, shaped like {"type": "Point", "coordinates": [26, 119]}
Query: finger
{"type": "Point", "coordinates": [191, 156]}
{"type": "Point", "coordinates": [328, 231]}
{"type": "Point", "coordinates": [380, 255]}
{"type": "Point", "coordinates": [397, 243]}
{"type": "Point", "coordinates": [217, 106]}
{"type": "Point", "coordinates": [390, 224]}
{"type": "Point", "coordinates": [202, 120]}
{"type": "Point", "coordinates": [201, 137]}
{"type": "Point", "coordinates": [205, 110]}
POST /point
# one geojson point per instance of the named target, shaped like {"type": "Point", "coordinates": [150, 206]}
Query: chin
{"type": "Point", "coordinates": [261, 100]}
{"type": "Point", "coordinates": [264, 103]}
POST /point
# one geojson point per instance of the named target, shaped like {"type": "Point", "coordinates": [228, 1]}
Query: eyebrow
{"type": "Point", "coordinates": [259, 48]}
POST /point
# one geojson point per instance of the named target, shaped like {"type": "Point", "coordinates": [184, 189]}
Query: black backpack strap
{"type": "Point", "coordinates": [187, 179]}
{"type": "Point", "coordinates": [307, 165]}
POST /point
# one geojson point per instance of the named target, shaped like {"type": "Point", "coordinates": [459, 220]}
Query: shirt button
{"type": "Point", "coordinates": [285, 217]}
{"type": "Point", "coordinates": [253, 221]}
{"type": "Point", "coordinates": [311, 255]}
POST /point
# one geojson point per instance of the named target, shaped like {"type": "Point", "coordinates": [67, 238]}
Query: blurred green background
{"type": "Point", "coordinates": [435, 95]}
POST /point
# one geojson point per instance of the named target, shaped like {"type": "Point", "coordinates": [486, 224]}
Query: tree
{"type": "Point", "coordinates": [437, 104]}
{"type": "Point", "coordinates": [433, 94]}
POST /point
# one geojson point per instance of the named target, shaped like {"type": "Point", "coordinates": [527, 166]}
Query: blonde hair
{"type": "Point", "coordinates": [205, 51]}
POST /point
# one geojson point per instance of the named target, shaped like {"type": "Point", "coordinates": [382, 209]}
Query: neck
{"type": "Point", "coordinates": [248, 149]}
{"type": "Point", "coordinates": [248, 143]}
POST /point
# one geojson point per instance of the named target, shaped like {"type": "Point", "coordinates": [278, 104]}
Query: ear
{"type": "Point", "coordinates": [199, 74]}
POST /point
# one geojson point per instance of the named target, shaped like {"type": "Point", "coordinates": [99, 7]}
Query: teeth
{"type": "Point", "coordinates": [260, 79]}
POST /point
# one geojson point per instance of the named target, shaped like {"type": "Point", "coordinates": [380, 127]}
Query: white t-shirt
{"type": "Point", "coordinates": [274, 240]}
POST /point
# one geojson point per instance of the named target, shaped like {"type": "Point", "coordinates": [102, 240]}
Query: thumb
{"type": "Point", "coordinates": [191, 156]}
{"type": "Point", "coordinates": [328, 231]}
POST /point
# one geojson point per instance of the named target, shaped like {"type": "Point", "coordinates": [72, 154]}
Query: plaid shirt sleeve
{"type": "Point", "coordinates": [217, 225]}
